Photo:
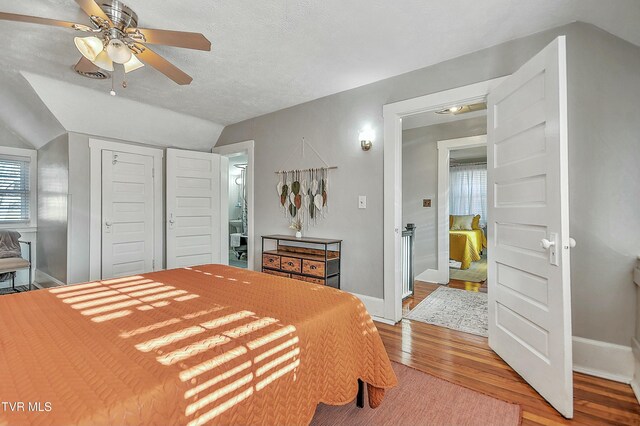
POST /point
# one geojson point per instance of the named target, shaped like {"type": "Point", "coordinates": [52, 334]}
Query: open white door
{"type": "Point", "coordinates": [528, 230]}
{"type": "Point", "coordinates": [197, 211]}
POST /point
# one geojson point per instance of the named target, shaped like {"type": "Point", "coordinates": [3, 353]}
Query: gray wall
{"type": "Point", "coordinates": [604, 159]}
{"type": "Point", "coordinates": [332, 124]}
{"type": "Point", "coordinates": [420, 180]}
{"type": "Point", "coordinates": [53, 187]}
{"type": "Point", "coordinates": [79, 204]}
{"type": "Point", "coordinates": [604, 120]}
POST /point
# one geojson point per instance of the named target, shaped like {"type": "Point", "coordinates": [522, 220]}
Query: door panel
{"type": "Point", "coordinates": [127, 214]}
{"type": "Point", "coordinates": [196, 231]}
{"type": "Point", "coordinates": [529, 286]}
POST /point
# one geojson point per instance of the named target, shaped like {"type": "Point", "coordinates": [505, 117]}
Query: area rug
{"type": "Point", "coordinates": [9, 290]}
{"type": "Point", "coordinates": [476, 273]}
{"type": "Point", "coordinates": [422, 399]}
{"type": "Point", "coordinates": [460, 310]}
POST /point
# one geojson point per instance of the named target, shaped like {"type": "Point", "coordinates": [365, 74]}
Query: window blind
{"type": "Point", "coordinates": [14, 189]}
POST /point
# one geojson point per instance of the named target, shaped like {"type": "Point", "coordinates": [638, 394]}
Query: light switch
{"type": "Point", "coordinates": [362, 201]}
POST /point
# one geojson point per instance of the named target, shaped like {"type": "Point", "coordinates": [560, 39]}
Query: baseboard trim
{"type": "Point", "coordinates": [382, 320]}
{"type": "Point", "coordinates": [635, 383]}
{"type": "Point", "coordinates": [432, 276]}
{"type": "Point", "coordinates": [374, 305]}
{"type": "Point", "coordinates": [43, 276]}
{"type": "Point", "coordinates": [603, 359]}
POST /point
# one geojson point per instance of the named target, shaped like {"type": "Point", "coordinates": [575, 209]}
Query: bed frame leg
{"type": "Point", "coordinates": [360, 397]}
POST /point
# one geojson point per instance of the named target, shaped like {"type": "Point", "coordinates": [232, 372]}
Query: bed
{"type": "Point", "coordinates": [466, 246]}
{"type": "Point", "coordinates": [208, 344]}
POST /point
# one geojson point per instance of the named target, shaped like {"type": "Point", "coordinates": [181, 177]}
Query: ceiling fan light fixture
{"type": "Point", "coordinates": [103, 61]}
{"type": "Point", "coordinates": [118, 51]}
{"type": "Point", "coordinates": [132, 64]}
{"type": "Point", "coordinates": [90, 47]}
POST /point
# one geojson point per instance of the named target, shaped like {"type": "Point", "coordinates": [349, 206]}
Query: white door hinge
{"type": "Point", "coordinates": [153, 264]}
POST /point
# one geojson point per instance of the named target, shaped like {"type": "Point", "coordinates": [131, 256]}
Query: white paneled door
{"type": "Point", "coordinates": [127, 214]}
{"type": "Point", "coordinates": [528, 231]}
{"type": "Point", "coordinates": [197, 211]}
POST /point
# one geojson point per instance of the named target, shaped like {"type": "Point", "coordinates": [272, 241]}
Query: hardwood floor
{"type": "Point", "coordinates": [466, 359]}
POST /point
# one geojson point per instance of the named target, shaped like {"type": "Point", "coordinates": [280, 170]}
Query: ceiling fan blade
{"type": "Point", "coordinates": [173, 38]}
{"type": "Point", "coordinates": [86, 66]}
{"type": "Point", "coordinates": [42, 21]}
{"type": "Point", "coordinates": [165, 67]}
{"type": "Point", "coordinates": [91, 8]}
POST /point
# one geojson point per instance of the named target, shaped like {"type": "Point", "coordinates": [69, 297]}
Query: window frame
{"type": "Point", "coordinates": [32, 155]}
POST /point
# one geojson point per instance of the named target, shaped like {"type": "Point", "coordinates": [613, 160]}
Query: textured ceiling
{"type": "Point", "coordinates": [268, 55]}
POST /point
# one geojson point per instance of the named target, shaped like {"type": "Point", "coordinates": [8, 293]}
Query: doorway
{"type": "Point", "coordinates": [528, 234]}
{"type": "Point", "coordinates": [238, 211]}
{"type": "Point", "coordinates": [444, 202]}
{"type": "Point", "coordinates": [241, 244]}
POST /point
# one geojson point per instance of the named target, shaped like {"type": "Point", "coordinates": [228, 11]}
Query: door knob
{"type": "Point", "coordinates": [546, 244]}
{"type": "Point", "coordinates": [572, 242]}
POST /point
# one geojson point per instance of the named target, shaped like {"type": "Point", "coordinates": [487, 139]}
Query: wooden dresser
{"type": "Point", "coordinates": [314, 260]}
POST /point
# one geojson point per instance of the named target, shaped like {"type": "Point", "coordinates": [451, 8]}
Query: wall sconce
{"type": "Point", "coordinates": [366, 138]}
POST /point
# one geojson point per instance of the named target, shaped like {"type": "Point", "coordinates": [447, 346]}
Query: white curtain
{"type": "Point", "coordinates": [468, 190]}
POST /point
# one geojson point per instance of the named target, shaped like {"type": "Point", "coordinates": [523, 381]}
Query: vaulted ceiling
{"type": "Point", "coordinates": [268, 55]}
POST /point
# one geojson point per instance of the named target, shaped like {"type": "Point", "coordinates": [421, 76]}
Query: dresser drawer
{"type": "Point", "coordinates": [291, 264]}
{"type": "Point", "coordinates": [271, 261]}
{"type": "Point", "coordinates": [312, 267]}
{"type": "Point", "coordinates": [307, 279]}
{"type": "Point", "coordinates": [313, 280]}
{"type": "Point", "coordinates": [278, 273]}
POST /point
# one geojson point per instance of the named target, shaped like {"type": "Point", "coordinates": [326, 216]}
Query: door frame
{"type": "Point", "coordinates": [392, 153]}
{"type": "Point", "coordinates": [96, 146]}
{"type": "Point", "coordinates": [247, 147]}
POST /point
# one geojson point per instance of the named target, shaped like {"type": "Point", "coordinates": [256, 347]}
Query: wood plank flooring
{"type": "Point", "coordinates": [466, 359]}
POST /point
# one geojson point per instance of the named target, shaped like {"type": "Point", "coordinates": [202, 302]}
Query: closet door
{"type": "Point", "coordinates": [127, 214]}
{"type": "Point", "coordinates": [197, 211]}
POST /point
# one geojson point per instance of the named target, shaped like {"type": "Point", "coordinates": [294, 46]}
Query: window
{"type": "Point", "coordinates": [15, 189]}
{"type": "Point", "coordinates": [468, 190]}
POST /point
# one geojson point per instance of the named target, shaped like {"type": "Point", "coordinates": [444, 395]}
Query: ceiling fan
{"type": "Point", "coordinates": [116, 43]}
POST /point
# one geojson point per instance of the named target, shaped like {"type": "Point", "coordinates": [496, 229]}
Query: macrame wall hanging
{"type": "Point", "coordinates": [303, 194]}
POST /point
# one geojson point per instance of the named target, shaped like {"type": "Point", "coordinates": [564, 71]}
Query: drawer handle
{"type": "Point", "coordinates": [290, 263]}
{"type": "Point", "coordinates": [313, 267]}
{"type": "Point", "coordinates": [270, 260]}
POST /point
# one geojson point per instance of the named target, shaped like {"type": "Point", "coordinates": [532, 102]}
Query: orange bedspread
{"type": "Point", "coordinates": [210, 344]}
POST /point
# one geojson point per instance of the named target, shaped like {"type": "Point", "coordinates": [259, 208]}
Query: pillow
{"type": "Point", "coordinates": [462, 223]}
{"type": "Point", "coordinates": [476, 222]}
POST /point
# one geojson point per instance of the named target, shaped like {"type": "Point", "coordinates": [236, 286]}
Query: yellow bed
{"type": "Point", "coordinates": [466, 246]}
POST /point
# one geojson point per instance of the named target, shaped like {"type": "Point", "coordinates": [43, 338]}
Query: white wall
{"type": "Point", "coordinates": [604, 120]}
{"type": "Point", "coordinates": [24, 118]}
{"type": "Point", "coordinates": [420, 181]}
{"type": "Point", "coordinates": [8, 137]}
{"type": "Point", "coordinates": [94, 112]}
